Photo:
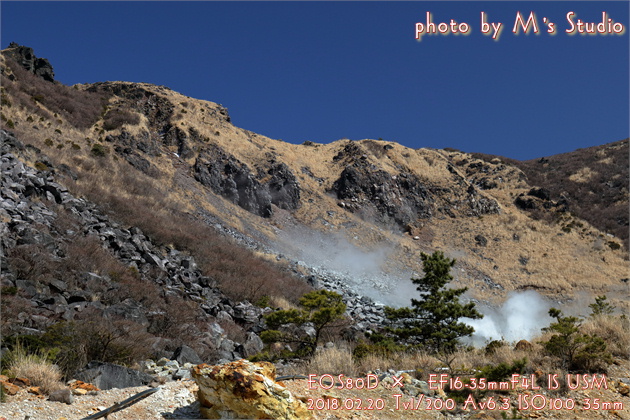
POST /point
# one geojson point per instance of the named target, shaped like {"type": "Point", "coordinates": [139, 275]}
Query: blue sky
{"type": "Point", "coordinates": [322, 71]}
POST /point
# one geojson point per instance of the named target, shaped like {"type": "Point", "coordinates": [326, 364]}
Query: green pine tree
{"type": "Point", "coordinates": [576, 351]}
{"type": "Point", "coordinates": [320, 309]}
{"type": "Point", "coordinates": [601, 307]}
{"type": "Point", "coordinates": [433, 320]}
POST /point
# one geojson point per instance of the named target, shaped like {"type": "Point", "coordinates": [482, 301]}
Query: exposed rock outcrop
{"type": "Point", "coordinates": [233, 180]}
{"type": "Point", "coordinates": [25, 57]}
{"type": "Point", "coordinates": [284, 187]}
{"type": "Point", "coordinates": [244, 390]}
{"type": "Point", "coordinates": [402, 198]}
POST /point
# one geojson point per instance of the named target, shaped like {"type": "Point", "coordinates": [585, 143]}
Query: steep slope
{"type": "Point", "coordinates": [592, 181]}
{"type": "Point", "coordinates": [142, 150]}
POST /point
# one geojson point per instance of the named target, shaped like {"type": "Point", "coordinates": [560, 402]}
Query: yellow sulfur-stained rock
{"type": "Point", "coordinates": [245, 390]}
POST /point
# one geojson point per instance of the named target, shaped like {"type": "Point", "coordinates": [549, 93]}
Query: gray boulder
{"type": "Point", "coordinates": [109, 375]}
{"type": "Point", "coordinates": [185, 354]}
{"type": "Point", "coordinates": [62, 395]}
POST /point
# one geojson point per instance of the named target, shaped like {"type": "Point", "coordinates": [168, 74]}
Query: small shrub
{"type": "Point", "coordinates": [614, 330]}
{"type": "Point", "coordinates": [119, 117]}
{"type": "Point", "coordinates": [263, 302]}
{"type": "Point", "coordinates": [321, 309]}
{"type": "Point", "coordinates": [614, 245]}
{"type": "Point", "coordinates": [99, 150]}
{"type": "Point", "coordinates": [29, 118]}
{"type": "Point", "coordinates": [58, 131]}
{"type": "Point", "coordinates": [41, 166]}
{"type": "Point", "coordinates": [9, 290]}
{"type": "Point", "coordinates": [576, 351]}
{"type": "Point", "coordinates": [37, 368]}
{"type": "Point", "coordinates": [4, 101]}
{"type": "Point", "coordinates": [333, 361]}
{"type": "Point", "coordinates": [502, 371]}
{"type": "Point", "coordinates": [493, 346]}
{"type": "Point", "coordinates": [75, 146]}
{"type": "Point", "coordinates": [10, 124]}
{"type": "Point", "coordinates": [379, 346]}
{"type": "Point", "coordinates": [48, 142]}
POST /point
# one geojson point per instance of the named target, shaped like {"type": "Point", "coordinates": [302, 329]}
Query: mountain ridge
{"type": "Point", "coordinates": [136, 147]}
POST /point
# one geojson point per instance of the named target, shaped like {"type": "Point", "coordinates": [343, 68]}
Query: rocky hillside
{"type": "Point", "coordinates": [593, 182]}
{"type": "Point", "coordinates": [134, 201]}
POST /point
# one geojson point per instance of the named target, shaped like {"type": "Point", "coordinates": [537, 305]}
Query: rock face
{"type": "Point", "coordinates": [403, 198]}
{"type": "Point", "coordinates": [234, 180]}
{"type": "Point", "coordinates": [243, 390]}
{"type": "Point", "coordinates": [25, 57]}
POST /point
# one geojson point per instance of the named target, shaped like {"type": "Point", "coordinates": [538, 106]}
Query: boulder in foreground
{"type": "Point", "coordinates": [245, 390]}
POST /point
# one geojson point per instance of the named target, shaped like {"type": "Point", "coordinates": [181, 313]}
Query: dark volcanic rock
{"type": "Point", "coordinates": [526, 203]}
{"type": "Point", "coordinates": [157, 109]}
{"type": "Point", "coordinates": [232, 179]}
{"type": "Point", "coordinates": [284, 187]}
{"type": "Point", "coordinates": [175, 136]}
{"type": "Point", "coordinates": [401, 198]}
{"type": "Point", "coordinates": [109, 375]}
{"type": "Point", "coordinates": [31, 202]}
{"type": "Point", "coordinates": [541, 193]}
{"type": "Point", "coordinates": [481, 240]}
{"type": "Point", "coordinates": [25, 57]}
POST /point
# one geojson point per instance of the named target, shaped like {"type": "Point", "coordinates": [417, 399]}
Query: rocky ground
{"type": "Point", "coordinates": [174, 400]}
{"type": "Point", "coordinates": [177, 399]}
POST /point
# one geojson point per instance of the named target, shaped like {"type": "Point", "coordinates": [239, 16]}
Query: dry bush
{"type": "Point", "coordinates": [30, 262]}
{"type": "Point", "coordinates": [94, 337]}
{"type": "Point", "coordinates": [282, 303]}
{"type": "Point", "coordinates": [36, 368]}
{"type": "Point", "coordinates": [613, 329]}
{"type": "Point", "coordinates": [116, 118]}
{"type": "Point", "coordinates": [134, 199]}
{"type": "Point", "coordinates": [237, 271]}
{"type": "Point", "coordinates": [233, 331]}
{"type": "Point", "coordinates": [11, 321]}
{"type": "Point", "coordinates": [506, 354]}
{"type": "Point", "coordinates": [601, 198]}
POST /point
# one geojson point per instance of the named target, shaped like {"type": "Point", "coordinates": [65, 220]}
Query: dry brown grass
{"type": "Point", "coordinates": [36, 368]}
{"type": "Point", "coordinates": [282, 303]}
{"type": "Point", "coordinates": [339, 360]}
{"type": "Point", "coordinates": [81, 109]}
{"type": "Point", "coordinates": [614, 330]}
{"type": "Point", "coordinates": [334, 361]}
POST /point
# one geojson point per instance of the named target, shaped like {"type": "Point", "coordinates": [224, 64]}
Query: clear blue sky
{"type": "Point", "coordinates": [322, 71]}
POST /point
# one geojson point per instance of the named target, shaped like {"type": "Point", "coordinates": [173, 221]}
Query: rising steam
{"type": "Point", "coordinates": [522, 316]}
{"type": "Point", "coordinates": [368, 272]}
{"type": "Point", "coordinates": [372, 274]}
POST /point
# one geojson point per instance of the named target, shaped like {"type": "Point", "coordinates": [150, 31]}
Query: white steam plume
{"type": "Point", "coordinates": [521, 317]}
